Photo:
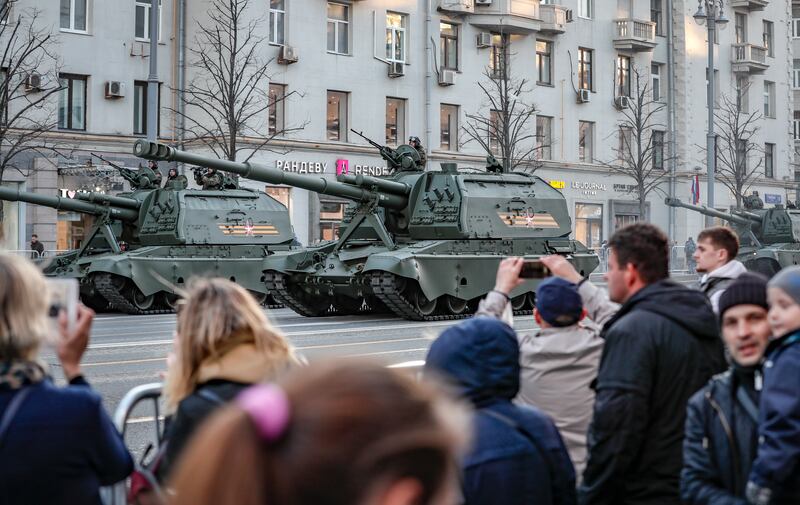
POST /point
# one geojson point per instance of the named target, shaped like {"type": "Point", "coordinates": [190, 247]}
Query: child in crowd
{"type": "Point", "coordinates": [775, 476]}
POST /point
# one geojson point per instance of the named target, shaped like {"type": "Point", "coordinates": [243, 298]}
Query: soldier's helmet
{"type": "Point", "coordinates": [414, 141]}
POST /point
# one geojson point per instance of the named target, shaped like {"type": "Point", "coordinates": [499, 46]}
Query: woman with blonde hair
{"type": "Point", "coordinates": [342, 432]}
{"type": "Point", "coordinates": [57, 445]}
{"type": "Point", "coordinates": [224, 343]}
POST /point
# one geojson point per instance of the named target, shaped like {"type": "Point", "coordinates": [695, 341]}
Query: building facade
{"type": "Point", "coordinates": [398, 68]}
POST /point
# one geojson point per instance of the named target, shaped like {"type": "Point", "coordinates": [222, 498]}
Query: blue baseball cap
{"type": "Point", "coordinates": [559, 302]}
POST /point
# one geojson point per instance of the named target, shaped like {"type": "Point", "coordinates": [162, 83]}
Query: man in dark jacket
{"type": "Point", "coordinates": [661, 347]}
{"type": "Point", "coordinates": [722, 418]}
{"type": "Point", "coordinates": [518, 456]}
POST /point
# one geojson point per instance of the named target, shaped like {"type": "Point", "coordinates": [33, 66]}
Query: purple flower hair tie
{"type": "Point", "coordinates": [268, 407]}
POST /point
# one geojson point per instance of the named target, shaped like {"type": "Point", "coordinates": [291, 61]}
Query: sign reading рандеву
{"type": "Point", "coordinates": [342, 166]}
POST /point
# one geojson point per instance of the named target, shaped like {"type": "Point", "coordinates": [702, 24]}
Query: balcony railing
{"type": "Point", "coordinates": [554, 18]}
{"type": "Point", "coordinates": [749, 58]}
{"type": "Point", "coordinates": [634, 34]}
{"type": "Point", "coordinates": [507, 16]}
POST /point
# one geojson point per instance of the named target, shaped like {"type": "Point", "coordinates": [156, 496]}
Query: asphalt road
{"type": "Point", "coordinates": [127, 351]}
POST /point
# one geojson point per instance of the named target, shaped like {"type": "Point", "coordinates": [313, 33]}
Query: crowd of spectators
{"type": "Point", "coordinates": [654, 393]}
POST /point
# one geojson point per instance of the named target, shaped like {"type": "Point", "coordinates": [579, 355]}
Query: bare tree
{"type": "Point", "coordinates": [502, 125]}
{"type": "Point", "coordinates": [28, 81]}
{"type": "Point", "coordinates": [735, 147]}
{"type": "Point", "coordinates": [228, 98]}
{"type": "Point", "coordinates": [641, 151]}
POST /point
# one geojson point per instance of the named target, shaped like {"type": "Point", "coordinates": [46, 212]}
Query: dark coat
{"type": "Point", "coordinates": [191, 412]}
{"type": "Point", "coordinates": [661, 347]}
{"type": "Point", "coordinates": [720, 444]}
{"type": "Point", "coordinates": [518, 456]}
{"type": "Point", "coordinates": [777, 465]}
{"type": "Point", "coordinates": [61, 447]}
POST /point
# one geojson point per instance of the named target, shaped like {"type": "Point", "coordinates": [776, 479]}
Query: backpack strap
{"type": "Point", "coordinates": [11, 411]}
{"type": "Point", "coordinates": [211, 396]}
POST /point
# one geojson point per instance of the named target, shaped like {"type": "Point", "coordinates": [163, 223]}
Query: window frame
{"type": "Point", "coordinates": [71, 28]}
{"type": "Point", "coordinates": [769, 37]}
{"type": "Point", "coordinates": [393, 32]}
{"type": "Point", "coordinates": [659, 142]}
{"type": "Point", "coordinates": [399, 120]}
{"type": "Point", "coordinates": [540, 55]}
{"type": "Point", "coordinates": [796, 73]}
{"type": "Point", "coordinates": [343, 113]}
{"type": "Point", "coordinates": [740, 29]}
{"type": "Point", "coordinates": [623, 73]}
{"type": "Point", "coordinates": [657, 12]}
{"type": "Point", "coordinates": [69, 88]}
{"type": "Point", "coordinates": [742, 102]}
{"type": "Point", "coordinates": [655, 73]}
{"type": "Point", "coordinates": [491, 130]}
{"type": "Point", "coordinates": [452, 130]}
{"type": "Point", "coordinates": [583, 66]}
{"type": "Point", "coordinates": [446, 40]}
{"type": "Point", "coordinates": [586, 5]}
{"type": "Point", "coordinates": [337, 26]}
{"type": "Point", "coordinates": [147, 5]}
{"type": "Point", "coordinates": [588, 141]}
{"type": "Point", "coordinates": [544, 140]}
{"type": "Point", "coordinates": [274, 16]}
{"type": "Point", "coordinates": [769, 160]}
{"type": "Point", "coordinates": [499, 56]}
{"type": "Point", "coordinates": [276, 110]}
{"type": "Point", "coordinates": [769, 99]}
{"type": "Point", "coordinates": [144, 85]}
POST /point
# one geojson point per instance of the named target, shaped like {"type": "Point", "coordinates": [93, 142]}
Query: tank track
{"type": "Point", "coordinates": [105, 287]}
{"type": "Point", "coordinates": [384, 286]}
{"type": "Point", "coordinates": [276, 285]}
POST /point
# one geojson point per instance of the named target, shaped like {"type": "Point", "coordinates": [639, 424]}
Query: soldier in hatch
{"type": "Point", "coordinates": [417, 144]}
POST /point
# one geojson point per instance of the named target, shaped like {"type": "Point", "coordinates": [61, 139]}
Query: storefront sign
{"type": "Point", "coordinates": [624, 188]}
{"type": "Point", "coordinates": [768, 198]}
{"type": "Point", "coordinates": [588, 188]}
{"type": "Point", "coordinates": [343, 166]}
{"type": "Point", "coordinates": [558, 184]}
{"type": "Point", "coordinates": [70, 193]}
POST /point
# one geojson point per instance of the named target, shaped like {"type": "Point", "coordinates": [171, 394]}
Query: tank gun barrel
{"type": "Point", "coordinates": [366, 181]}
{"type": "Point", "coordinates": [702, 209]}
{"type": "Point", "coordinates": [61, 203]}
{"type": "Point", "coordinates": [115, 201]}
{"type": "Point", "coordinates": [160, 152]}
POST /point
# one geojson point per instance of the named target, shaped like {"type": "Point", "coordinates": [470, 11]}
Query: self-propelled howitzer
{"type": "Point", "coordinates": [422, 244]}
{"type": "Point", "coordinates": [768, 238]}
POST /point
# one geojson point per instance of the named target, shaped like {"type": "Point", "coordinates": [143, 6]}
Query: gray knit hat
{"type": "Point", "coordinates": [788, 280]}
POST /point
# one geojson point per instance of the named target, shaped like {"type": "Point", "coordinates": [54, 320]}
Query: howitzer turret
{"type": "Point", "coordinates": [768, 238]}
{"type": "Point", "coordinates": [421, 244]}
{"type": "Point", "coordinates": [127, 213]}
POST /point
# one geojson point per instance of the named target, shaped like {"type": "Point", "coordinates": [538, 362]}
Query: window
{"type": "Point", "coordinates": [625, 146]}
{"type": "Point", "coordinates": [769, 99]}
{"type": "Point", "coordinates": [658, 150]}
{"type": "Point", "coordinates": [656, 14]}
{"type": "Point", "coordinates": [143, 19]}
{"type": "Point", "coordinates": [493, 128]}
{"type": "Point", "coordinates": [448, 45]}
{"type": "Point", "coordinates": [796, 125]}
{"type": "Point", "coordinates": [72, 102]}
{"type": "Point", "coordinates": [655, 70]}
{"type": "Point", "coordinates": [741, 156]}
{"type": "Point", "coordinates": [741, 28]}
{"type": "Point", "coordinates": [140, 108]}
{"type": "Point", "coordinates": [448, 127]}
{"type": "Point", "coordinates": [589, 224]}
{"type": "Point", "coordinates": [331, 215]}
{"type": "Point", "coordinates": [544, 137]}
{"type": "Point", "coordinates": [623, 76]}
{"type": "Point", "coordinates": [499, 55]}
{"type": "Point", "coordinates": [73, 15]}
{"type": "Point", "coordinates": [796, 74]}
{"type": "Point", "coordinates": [277, 16]}
{"type": "Point", "coordinates": [336, 117]}
{"type": "Point", "coordinates": [586, 141]}
{"type": "Point", "coordinates": [395, 37]}
{"type": "Point", "coordinates": [4, 90]}
{"type": "Point", "coordinates": [769, 38]}
{"type": "Point", "coordinates": [275, 112]}
{"type": "Point", "coordinates": [742, 84]}
{"type": "Point", "coordinates": [586, 8]}
{"type": "Point", "coordinates": [795, 22]}
{"type": "Point", "coordinates": [585, 68]}
{"type": "Point", "coordinates": [544, 59]}
{"type": "Point", "coordinates": [769, 160]}
{"type": "Point", "coordinates": [395, 121]}
{"type": "Point", "coordinates": [338, 28]}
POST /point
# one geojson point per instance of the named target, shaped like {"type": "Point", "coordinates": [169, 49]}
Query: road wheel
{"type": "Point", "coordinates": [423, 305]}
{"type": "Point", "coordinates": [170, 300]}
{"type": "Point", "coordinates": [140, 300]}
{"type": "Point", "coordinates": [456, 305]}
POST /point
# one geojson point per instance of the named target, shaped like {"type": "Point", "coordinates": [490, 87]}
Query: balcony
{"type": "Point", "coordinates": [554, 19]}
{"type": "Point", "coordinates": [457, 6]}
{"type": "Point", "coordinates": [507, 16]}
{"type": "Point", "coordinates": [750, 59]}
{"type": "Point", "coordinates": [751, 5]}
{"type": "Point", "coordinates": [634, 35]}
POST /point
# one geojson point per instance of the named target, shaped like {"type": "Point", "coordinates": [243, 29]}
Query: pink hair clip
{"type": "Point", "coordinates": [268, 407]}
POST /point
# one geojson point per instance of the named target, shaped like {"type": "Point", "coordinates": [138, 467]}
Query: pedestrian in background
{"type": "Point", "coordinates": [57, 445]}
{"type": "Point", "coordinates": [775, 477]}
{"type": "Point", "coordinates": [688, 251]}
{"type": "Point", "coordinates": [722, 418]}
{"type": "Point", "coordinates": [661, 347]}
{"type": "Point", "coordinates": [517, 456]}
{"type": "Point", "coordinates": [715, 258]}
{"type": "Point", "coordinates": [223, 344]}
{"type": "Point", "coordinates": [336, 433]}
{"type": "Point", "coordinates": [559, 360]}
{"type": "Point", "coordinates": [37, 247]}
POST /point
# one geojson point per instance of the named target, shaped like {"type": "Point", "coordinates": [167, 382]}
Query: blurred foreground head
{"type": "Point", "coordinates": [23, 309]}
{"type": "Point", "coordinates": [216, 317]}
{"type": "Point", "coordinates": [335, 433]}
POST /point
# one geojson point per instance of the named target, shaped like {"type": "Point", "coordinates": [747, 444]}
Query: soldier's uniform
{"type": "Point", "coordinates": [423, 157]}
{"type": "Point", "coordinates": [211, 181]}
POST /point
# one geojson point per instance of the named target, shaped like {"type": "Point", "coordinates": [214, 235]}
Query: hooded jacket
{"type": "Point", "coordinates": [713, 284]}
{"type": "Point", "coordinates": [518, 456]}
{"type": "Point", "coordinates": [661, 347]}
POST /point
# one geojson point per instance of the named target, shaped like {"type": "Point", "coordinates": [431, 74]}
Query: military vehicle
{"type": "Point", "coordinates": [768, 238]}
{"type": "Point", "coordinates": [147, 243]}
{"type": "Point", "coordinates": [422, 244]}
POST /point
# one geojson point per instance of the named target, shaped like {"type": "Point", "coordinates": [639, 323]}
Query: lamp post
{"type": "Point", "coordinates": [710, 13]}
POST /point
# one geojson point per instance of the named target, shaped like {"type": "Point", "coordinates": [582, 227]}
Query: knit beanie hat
{"type": "Point", "coordinates": [749, 288]}
{"type": "Point", "coordinates": [788, 280]}
{"type": "Point", "coordinates": [558, 302]}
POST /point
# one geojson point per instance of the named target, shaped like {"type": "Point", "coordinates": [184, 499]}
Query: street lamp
{"type": "Point", "coordinates": [710, 13]}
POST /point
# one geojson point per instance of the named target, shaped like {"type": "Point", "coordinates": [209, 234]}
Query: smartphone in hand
{"type": "Point", "coordinates": [534, 269]}
{"type": "Point", "coordinates": [64, 297]}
